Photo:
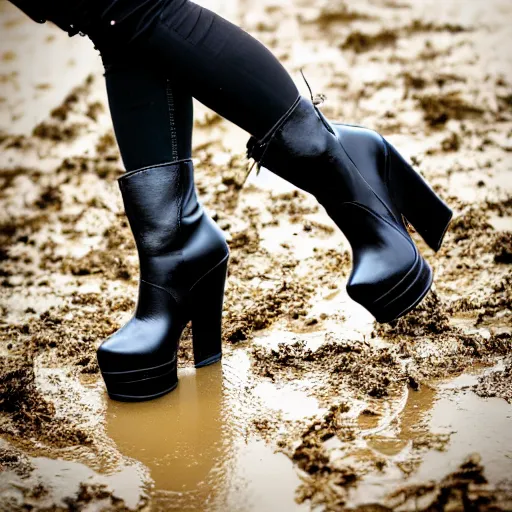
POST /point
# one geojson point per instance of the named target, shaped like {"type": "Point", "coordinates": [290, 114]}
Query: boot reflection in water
{"type": "Point", "coordinates": [182, 438]}
{"type": "Point", "coordinates": [172, 50]}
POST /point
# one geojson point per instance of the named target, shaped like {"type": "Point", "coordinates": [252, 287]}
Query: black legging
{"type": "Point", "coordinates": [190, 51]}
{"type": "Point", "coordinates": [151, 114]}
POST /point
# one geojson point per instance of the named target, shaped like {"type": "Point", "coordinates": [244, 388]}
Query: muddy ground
{"type": "Point", "coordinates": [314, 405]}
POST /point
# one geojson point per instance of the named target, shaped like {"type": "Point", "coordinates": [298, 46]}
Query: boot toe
{"type": "Point", "coordinates": [139, 344]}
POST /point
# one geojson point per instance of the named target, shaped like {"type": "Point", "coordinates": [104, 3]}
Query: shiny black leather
{"type": "Point", "coordinates": [388, 173]}
{"type": "Point", "coordinates": [346, 169]}
{"type": "Point", "coordinates": [178, 245]}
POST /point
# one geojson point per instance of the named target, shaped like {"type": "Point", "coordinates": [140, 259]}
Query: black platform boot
{"type": "Point", "coordinates": [183, 262]}
{"type": "Point", "coordinates": [367, 189]}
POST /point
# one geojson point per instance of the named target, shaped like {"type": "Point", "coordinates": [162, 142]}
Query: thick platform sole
{"type": "Point", "coordinates": [141, 385]}
{"type": "Point", "coordinates": [406, 295]}
{"type": "Point", "coordinates": [418, 203]}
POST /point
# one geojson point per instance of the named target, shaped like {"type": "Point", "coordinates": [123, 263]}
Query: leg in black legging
{"type": "Point", "coordinates": [151, 114]}
{"type": "Point", "coordinates": [219, 64]}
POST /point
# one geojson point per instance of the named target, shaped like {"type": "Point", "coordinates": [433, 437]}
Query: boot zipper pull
{"type": "Point", "coordinates": [254, 162]}
{"type": "Point", "coordinates": [318, 100]}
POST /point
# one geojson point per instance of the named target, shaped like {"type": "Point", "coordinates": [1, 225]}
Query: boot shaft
{"type": "Point", "coordinates": [304, 150]}
{"type": "Point", "coordinates": [156, 200]}
{"type": "Point", "coordinates": [177, 241]}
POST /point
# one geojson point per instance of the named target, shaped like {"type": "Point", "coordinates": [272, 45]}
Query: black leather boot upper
{"type": "Point", "coordinates": [178, 244]}
{"type": "Point", "coordinates": [306, 150]}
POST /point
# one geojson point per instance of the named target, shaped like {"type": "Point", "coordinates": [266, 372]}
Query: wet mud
{"type": "Point", "coordinates": [314, 405]}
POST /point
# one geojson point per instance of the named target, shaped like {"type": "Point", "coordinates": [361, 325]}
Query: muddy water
{"type": "Point", "coordinates": [464, 423]}
{"type": "Point", "coordinates": [193, 443]}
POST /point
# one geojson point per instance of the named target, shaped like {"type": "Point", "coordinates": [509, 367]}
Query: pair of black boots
{"type": "Point", "coordinates": [361, 180]}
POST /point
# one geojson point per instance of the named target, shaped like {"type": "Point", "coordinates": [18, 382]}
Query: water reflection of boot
{"type": "Point", "coordinates": [180, 437]}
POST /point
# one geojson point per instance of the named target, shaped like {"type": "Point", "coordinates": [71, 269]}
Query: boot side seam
{"type": "Point", "coordinates": [180, 204]}
{"type": "Point", "coordinates": [379, 216]}
{"type": "Point", "coordinates": [209, 271]}
{"type": "Point", "coordinates": [387, 177]}
{"type": "Point", "coordinates": [366, 183]}
{"type": "Point", "coordinates": [161, 288]}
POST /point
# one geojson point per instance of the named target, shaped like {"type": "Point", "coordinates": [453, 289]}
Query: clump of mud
{"type": "Point", "coordinates": [68, 334]}
{"type": "Point", "coordinates": [310, 455]}
{"type": "Point", "coordinates": [434, 347]}
{"type": "Point", "coordinates": [15, 460]}
{"type": "Point", "coordinates": [259, 311]}
{"type": "Point", "coordinates": [98, 494]}
{"type": "Point", "coordinates": [324, 480]}
{"type": "Point", "coordinates": [59, 128]}
{"type": "Point", "coordinates": [365, 369]}
{"type": "Point", "coordinates": [487, 306]}
{"type": "Point", "coordinates": [30, 413]}
{"type": "Point", "coordinates": [440, 108]}
{"type": "Point", "coordinates": [336, 14]}
{"type": "Point", "coordinates": [34, 495]}
{"type": "Point", "coordinates": [464, 489]}
{"type": "Point", "coordinates": [502, 248]}
{"type": "Point", "coordinates": [430, 317]}
{"type": "Point", "coordinates": [496, 384]}
{"type": "Point", "coordinates": [360, 42]}
{"type": "Point", "coordinates": [419, 25]}
{"type": "Point", "coordinates": [111, 261]}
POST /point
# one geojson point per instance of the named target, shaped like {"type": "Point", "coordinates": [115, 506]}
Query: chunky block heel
{"type": "Point", "coordinates": [206, 301]}
{"type": "Point", "coordinates": [417, 202]}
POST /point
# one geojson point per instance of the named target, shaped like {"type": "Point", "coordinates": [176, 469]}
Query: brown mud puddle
{"type": "Point", "coordinates": [458, 423]}
{"type": "Point", "coordinates": [199, 456]}
{"type": "Point", "coordinates": [193, 444]}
